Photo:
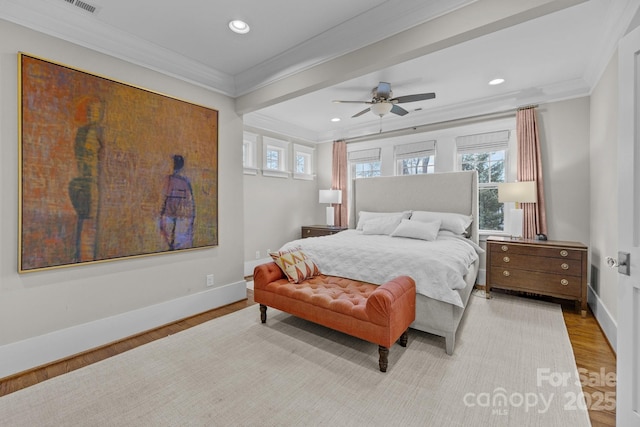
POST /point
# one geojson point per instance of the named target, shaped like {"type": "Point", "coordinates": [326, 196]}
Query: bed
{"type": "Point", "coordinates": [443, 281]}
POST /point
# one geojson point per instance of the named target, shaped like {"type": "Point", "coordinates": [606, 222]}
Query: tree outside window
{"type": "Point", "coordinates": [366, 170]}
{"type": "Point", "coordinates": [416, 165]}
{"type": "Point", "coordinates": [491, 171]}
{"type": "Point", "coordinates": [273, 159]}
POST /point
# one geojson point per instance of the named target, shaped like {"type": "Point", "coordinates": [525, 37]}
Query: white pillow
{"type": "Point", "coordinates": [381, 225]}
{"type": "Point", "coordinates": [417, 230]}
{"type": "Point", "coordinates": [364, 216]}
{"type": "Point", "coordinates": [458, 223]}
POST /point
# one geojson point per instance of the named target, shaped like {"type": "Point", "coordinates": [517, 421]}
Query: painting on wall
{"type": "Point", "coordinates": [109, 170]}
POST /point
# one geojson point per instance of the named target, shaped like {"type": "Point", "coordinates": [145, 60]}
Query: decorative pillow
{"type": "Point", "coordinates": [417, 230]}
{"type": "Point", "coordinates": [364, 216]}
{"type": "Point", "coordinates": [295, 264]}
{"type": "Point", "coordinates": [458, 223]}
{"type": "Point", "coordinates": [381, 225]}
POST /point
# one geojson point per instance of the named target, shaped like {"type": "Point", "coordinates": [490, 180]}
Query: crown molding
{"type": "Point", "coordinates": [58, 21]}
{"type": "Point", "coordinates": [617, 21]}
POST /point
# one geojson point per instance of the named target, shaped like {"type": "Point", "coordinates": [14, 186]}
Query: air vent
{"type": "Point", "coordinates": [87, 7]}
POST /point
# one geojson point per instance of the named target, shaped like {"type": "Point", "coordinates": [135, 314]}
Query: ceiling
{"type": "Point", "coordinates": [299, 56]}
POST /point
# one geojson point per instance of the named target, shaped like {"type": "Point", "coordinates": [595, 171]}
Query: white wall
{"type": "Point", "coordinates": [604, 198]}
{"type": "Point", "coordinates": [50, 314]}
{"type": "Point", "coordinates": [276, 208]}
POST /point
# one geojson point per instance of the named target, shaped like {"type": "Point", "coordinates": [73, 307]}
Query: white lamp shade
{"type": "Point", "coordinates": [381, 108]}
{"type": "Point", "coordinates": [520, 192]}
{"type": "Point", "coordinates": [330, 196]}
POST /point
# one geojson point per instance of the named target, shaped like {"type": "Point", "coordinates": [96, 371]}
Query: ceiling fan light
{"type": "Point", "coordinates": [381, 108]}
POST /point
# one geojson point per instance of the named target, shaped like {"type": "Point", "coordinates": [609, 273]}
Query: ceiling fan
{"type": "Point", "coordinates": [382, 101]}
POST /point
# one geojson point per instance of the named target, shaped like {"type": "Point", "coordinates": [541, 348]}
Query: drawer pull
{"type": "Point", "coordinates": [564, 282]}
{"type": "Point", "coordinates": [506, 273]}
{"type": "Point", "coordinates": [564, 266]}
{"type": "Point", "coordinates": [504, 248]}
{"type": "Point", "coordinates": [506, 259]}
{"type": "Point", "coordinates": [564, 253]}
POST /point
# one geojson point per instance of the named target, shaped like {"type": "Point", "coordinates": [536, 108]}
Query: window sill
{"type": "Point", "coordinates": [250, 171]}
{"type": "Point", "coordinates": [275, 173]}
{"type": "Point", "coordinates": [303, 176]}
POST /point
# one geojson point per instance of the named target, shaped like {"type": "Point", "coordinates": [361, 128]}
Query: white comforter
{"type": "Point", "coordinates": [438, 267]}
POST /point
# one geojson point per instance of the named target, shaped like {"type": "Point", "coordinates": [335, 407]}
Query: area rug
{"type": "Point", "coordinates": [513, 366]}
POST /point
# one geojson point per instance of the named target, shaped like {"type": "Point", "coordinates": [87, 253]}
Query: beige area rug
{"type": "Point", "coordinates": [234, 371]}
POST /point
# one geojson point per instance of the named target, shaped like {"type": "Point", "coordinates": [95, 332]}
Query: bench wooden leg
{"type": "Point", "coordinates": [404, 338]}
{"type": "Point", "coordinates": [263, 313]}
{"type": "Point", "coordinates": [384, 358]}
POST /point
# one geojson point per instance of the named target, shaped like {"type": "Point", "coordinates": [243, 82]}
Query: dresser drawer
{"type": "Point", "coordinates": [562, 266]}
{"type": "Point", "coordinates": [550, 252]}
{"type": "Point", "coordinates": [537, 282]}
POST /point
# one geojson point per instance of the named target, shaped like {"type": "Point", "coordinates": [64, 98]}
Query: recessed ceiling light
{"type": "Point", "coordinates": [238, 26]}
{"type": "Point", "coordinates": [335, 119]}
{"type": "Point", "coordinates": [496, 82]}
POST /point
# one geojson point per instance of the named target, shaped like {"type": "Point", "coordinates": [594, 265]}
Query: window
{"type": "Point", "coordinates": [365, 163]}
{"type": "Point", "coordinates": [415, 158]}
{"type": "Point", "coordinates": [486, 153]}
{"type": "Point", "coordinates": [250, 153]}
{"type": "Point", "coordinates": [303, 162]}
{"type": "Point", "coordinates": [275, 157]}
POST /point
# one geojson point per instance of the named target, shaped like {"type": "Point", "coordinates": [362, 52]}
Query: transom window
{"type": "Point", "coordinates": [275, 157]}
{"type": "Point", "coordinates": [303, 162]}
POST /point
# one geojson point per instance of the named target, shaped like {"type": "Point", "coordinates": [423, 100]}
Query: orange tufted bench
{"type": "Point", "coordinates": [379, 314]}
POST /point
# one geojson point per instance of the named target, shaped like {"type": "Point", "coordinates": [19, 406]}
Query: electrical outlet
{"type": "Point", "coordinates": [257, 254]}
{"type": "Point", "coordinates": [209, 279]}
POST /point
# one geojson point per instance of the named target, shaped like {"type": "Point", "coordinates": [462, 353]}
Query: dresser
{"type": "Point", "coordinates": [544, 267]}
{"type": "Point", "coordinates": [320, 230]}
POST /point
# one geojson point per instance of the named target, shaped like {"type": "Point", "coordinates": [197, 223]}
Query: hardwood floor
{"type": "Point", "coordinates": [595, 359]}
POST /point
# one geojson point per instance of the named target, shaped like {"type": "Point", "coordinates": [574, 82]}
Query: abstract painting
{"type": "Point", "coordinates": [109, 170]}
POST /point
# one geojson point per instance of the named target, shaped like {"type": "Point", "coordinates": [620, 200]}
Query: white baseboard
{"type": "Point", "coordinates": [604, 318]}
{"type": "Point", "coordinates": [44, 349]}
{"type": "Point", "coordinates": [250, 265]}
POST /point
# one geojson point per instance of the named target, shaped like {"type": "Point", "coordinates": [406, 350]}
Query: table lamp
{"type": "Point", "coordinates": [331, 197]}
{"type": "Point", "coordinates": [518, 192]}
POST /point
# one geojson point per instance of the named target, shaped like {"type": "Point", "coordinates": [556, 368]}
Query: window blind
{"type": "Point", "coordinates": [415, 149]}
{"type": "Point", "coordinates": [362, 156]}
{"type": "Point", "coordinates": [483, 142]}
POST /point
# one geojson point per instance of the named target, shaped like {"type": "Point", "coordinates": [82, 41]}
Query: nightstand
{"type": "Point", "coordinates": [544, 267]}
{"type": "Point", "coordinates": [320, 230]}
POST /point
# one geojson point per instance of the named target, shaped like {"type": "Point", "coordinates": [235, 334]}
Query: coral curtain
{"type": "Point", "coordinates": [530, 169]}
{"type": "Point", "coordinates": [339, 182]}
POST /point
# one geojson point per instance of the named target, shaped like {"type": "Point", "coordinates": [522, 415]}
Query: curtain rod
{"type": "Point", "coordinates": [435, 126]}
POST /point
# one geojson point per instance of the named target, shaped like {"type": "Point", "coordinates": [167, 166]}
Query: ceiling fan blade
{"type": "Point", "coordinates": [337, 101]}
{"type": "Point", "coordinates": [384, 90]}
{"type": "Point", "coordinates": [399, 110]}
{"type": "Point", "coordinates": [366, 110]}
{"type": "Point", "coordinates": [413, 98]}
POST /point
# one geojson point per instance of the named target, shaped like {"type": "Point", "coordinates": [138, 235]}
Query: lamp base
{"type": "Point", "coordinates": [330, 216]}
{"type": "Point", "coordinates": [516, 217]}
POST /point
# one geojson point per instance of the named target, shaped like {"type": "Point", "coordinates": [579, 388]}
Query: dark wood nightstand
{"type": "Point", "coordinates": [320, 230]}
{"type": "Point", "coordinates": [543, 267]}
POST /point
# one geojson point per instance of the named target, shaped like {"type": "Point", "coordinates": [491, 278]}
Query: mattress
{"type": "Point", "coordinates": [438, 267]}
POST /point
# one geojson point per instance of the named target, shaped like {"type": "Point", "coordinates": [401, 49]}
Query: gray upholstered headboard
{"type": "Point", "coordinates": [438, 192]}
